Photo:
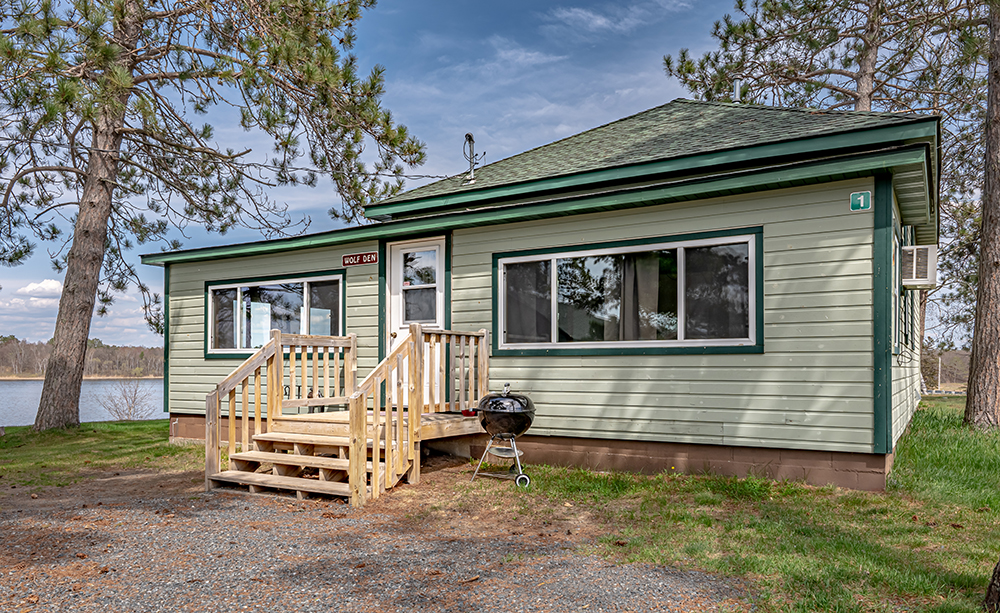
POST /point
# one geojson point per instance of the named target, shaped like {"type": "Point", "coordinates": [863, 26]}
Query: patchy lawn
{"type": "Point", "coordinates": [928, 544]}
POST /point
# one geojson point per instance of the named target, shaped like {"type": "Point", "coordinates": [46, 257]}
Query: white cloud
{"type": "Point", "coordinates": [47, 288]}
{"type": "Point", "coordinates": [589, 21]}
{"type": "Point", "coordinates": [584, 23]}
{"type": "Point", "coordinates": [512, 55]}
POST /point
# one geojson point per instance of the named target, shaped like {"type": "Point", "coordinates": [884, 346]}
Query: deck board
{"type": "Point", "coordinates": [295, 484]}
{"type": "Point", "coordinates": [432, 425]}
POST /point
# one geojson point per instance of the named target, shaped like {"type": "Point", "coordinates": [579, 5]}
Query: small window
{"type": "Point", "coordinates": [693, 293]}
{"type": "Point", "coordinates": [419, 287]}
{"type": "Point", "coordinates": [242, 316]}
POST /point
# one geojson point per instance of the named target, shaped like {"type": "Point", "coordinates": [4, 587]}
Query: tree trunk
{"type": "Point", "coordinates": [868, 59]}
{"type": "Point", "coordinates": [992, 601]}
{"type": "Point", "coordinates": [59, 406]}
{"type": "Point", "coordinates": [983, 397]}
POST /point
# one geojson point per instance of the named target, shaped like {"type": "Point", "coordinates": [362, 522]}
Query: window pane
{"type": "Point", "coordinates": [717, 291]}
{"type": "Point", "coordinates": [269, 307]}
{"type": "Point", "coordinates": [589, 298]}
{"type": "Point", "coordinates": [649, 296]}
{"type": "Point", "coordinates": [528, 302]}
{"type": "Point", "coordinates": [224, 325]}
{"type": "Point", "coordinates": [419, 305]}
{"type": "Point", "coordinates": [419, 268]}
{"type": "Point", "coordinates": [324, 308]}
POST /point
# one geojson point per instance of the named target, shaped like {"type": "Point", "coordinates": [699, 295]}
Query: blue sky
{"type": "Point", "coordinates": [516, 74]}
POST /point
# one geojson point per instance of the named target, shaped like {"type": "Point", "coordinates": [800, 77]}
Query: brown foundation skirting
{"type": "Point", "coordinates": [861, 471]}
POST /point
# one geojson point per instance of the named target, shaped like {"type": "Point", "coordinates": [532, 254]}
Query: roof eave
{"type": "Point", "coordinates": [923, 128]}
{"type": "Point", "coordinates": [775, 177]}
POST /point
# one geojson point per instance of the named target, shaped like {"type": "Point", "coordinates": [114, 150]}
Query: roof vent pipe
{"type": "Point", "coordinates": [736, 91]}
{"type": "Point", "coordinates": [470, 154]}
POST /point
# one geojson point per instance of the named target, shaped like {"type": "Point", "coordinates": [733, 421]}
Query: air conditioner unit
{"type": "Point", "coordinates": [919, 266]}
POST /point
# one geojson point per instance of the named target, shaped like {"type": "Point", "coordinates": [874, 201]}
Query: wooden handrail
{"type": "Point", "coordinates": [270, 359]}
{"type": "Point", "coordinates": [410, 380]}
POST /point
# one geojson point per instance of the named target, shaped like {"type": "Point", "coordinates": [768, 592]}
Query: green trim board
{"type": "Point", "coordinates": [882, 343]}
{"type": "Point", "coordinates": [383, 280]}
{"type": "Point", "coordinates": [166, 339]}
{"type": "Point", "coordinates": [787, 175]}
{"type": "Point", "coordinates": [919, 129]}
{"type": "Point", "coordinates": [568, 349]}
{"type": "Point", "coordinates": [242, 355]}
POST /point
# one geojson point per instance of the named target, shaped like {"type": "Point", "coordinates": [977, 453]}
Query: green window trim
{"type": "Point", "coordinates": [754, 345]}
{"type": "Point", "coordinates": [242, 354]}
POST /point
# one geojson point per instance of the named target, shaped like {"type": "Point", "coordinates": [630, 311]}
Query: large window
{"type": "Point", "coordinates": [241, 316]}
{"type": "Point", "coordinates": [671, 294]}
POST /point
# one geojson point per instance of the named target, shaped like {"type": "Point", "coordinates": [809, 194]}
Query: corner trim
{"type": "Point", "coordinates": [882, 342]}
{"type": "Point", "coordinates": [166, 339]}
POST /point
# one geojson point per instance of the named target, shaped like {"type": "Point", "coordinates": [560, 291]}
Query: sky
{"type": "Point", "coordinates": [516, 74]}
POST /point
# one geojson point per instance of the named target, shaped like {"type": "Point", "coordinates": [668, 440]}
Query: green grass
{"type": "Point", "coordinates": [928, 544]}
{"type": "Point", "coordinates": [60, 457]}
{"type": "Point", "coordinates": [941, 460]}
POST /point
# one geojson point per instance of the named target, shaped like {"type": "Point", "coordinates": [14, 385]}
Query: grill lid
{"type": "Point", "coordinates": [506, 402]}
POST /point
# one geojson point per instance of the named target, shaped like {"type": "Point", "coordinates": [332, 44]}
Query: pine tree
{"type": "Point", "coordinates": [98, 101]}
{"type": "Point", "coordinates": [888, 55]}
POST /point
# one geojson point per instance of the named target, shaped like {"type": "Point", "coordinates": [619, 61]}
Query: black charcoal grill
{"type": "Point", "coordinates": [506, 416]}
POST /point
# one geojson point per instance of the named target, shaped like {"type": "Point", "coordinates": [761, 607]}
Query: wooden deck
{"type": "Point", "coordinates": [335, 423]}
{"type": "Point", "coordinates": [417, 391]}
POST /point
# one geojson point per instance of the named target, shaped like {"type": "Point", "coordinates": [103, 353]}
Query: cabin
{"type": "Point", "coordinates": [702, 286]}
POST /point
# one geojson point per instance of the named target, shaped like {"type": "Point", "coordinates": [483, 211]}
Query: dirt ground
{"type": "Point", "coordinates": [142, 541]}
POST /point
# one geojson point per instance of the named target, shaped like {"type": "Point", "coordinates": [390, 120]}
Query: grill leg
{"type": "Point", "coordinates": [517, 456]}
{"type": "Point", "coordinates": [482, 459]}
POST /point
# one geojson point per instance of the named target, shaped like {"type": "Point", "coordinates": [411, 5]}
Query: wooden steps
{"type": "Point", "coordinates": [256, 481]}
{"type": "Point", "coordinates": [292, 459]}
{"type": "Point", "coordinates": [296, 438]}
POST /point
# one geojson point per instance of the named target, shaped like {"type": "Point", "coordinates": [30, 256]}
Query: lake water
{"type": "Point", "coordinates": [19, 400]}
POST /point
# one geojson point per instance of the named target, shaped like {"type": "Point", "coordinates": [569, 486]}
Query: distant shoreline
{"type": "Point", "coordinates": [91, 378]}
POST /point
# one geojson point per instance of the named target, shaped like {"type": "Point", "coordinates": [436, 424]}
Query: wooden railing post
{"type": "Point", "coordinates": [212, 459]}
{"type": "Point", "coordinates": [351, 367]}
{"type": "Point", "coordinates": [484, 363]}
{"type": "Point", "coordinates": [418, 384]}
{"type": "Point", "coordinates": [358, 454]}
{"type": "Point", "coordinates": [274, 412]}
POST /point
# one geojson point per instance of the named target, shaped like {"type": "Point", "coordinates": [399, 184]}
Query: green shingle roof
{"type": "Point", "coordinates": [677, 129]}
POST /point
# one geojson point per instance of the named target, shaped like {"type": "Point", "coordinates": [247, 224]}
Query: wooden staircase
{"type": "Point", "coordinates": [357, 453]}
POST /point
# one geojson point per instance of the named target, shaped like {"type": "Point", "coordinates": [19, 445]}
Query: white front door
{"type": "Point", "coordinates": [416, 287]}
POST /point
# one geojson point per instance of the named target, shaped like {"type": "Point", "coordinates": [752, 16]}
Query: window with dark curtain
{"type": "Point", "coordinates": [717, 291]}
{"type": "Point", "coordinates": [528, 302]}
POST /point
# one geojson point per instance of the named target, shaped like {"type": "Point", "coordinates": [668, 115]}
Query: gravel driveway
{"type": "Point", "coordinates": [154, 542]}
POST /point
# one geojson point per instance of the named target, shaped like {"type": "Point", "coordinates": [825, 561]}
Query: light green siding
{"type": "Point", "coordinates": [810, 389]}
{"type": "Point", "coordinates": [906, 361]}
{"type": "Point", "coordinates": [192, 377]}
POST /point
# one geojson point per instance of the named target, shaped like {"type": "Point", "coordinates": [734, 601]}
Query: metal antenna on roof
{"type": "Point", "coordinates": [469, 149]}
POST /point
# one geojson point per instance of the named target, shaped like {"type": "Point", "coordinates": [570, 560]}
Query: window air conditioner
{"type": "Point", "coordinates": [919, 266]}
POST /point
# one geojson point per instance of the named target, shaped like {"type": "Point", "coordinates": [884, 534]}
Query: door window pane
{"type": "Point", "coordinates": [419, 268]}
{"type": "Point", "coordinates": [324, 308]}
{"type": "Point", "coordinates": [717, 291]}
{"type": "Point", "coordinates": [419, 305]}
{"type": "Point", "coordinates": [528, 295]}
{"type": "Point", "coordinates": [224, 325]}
